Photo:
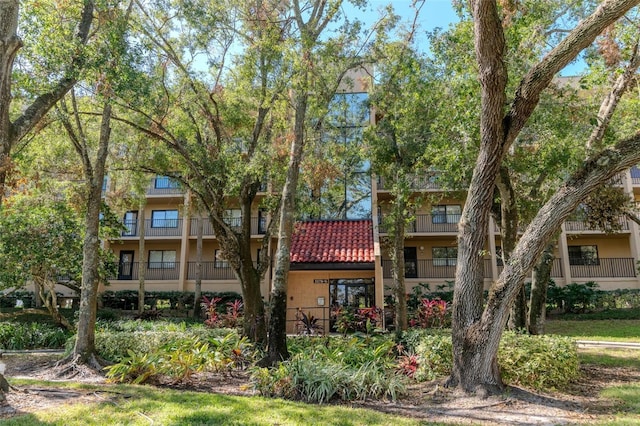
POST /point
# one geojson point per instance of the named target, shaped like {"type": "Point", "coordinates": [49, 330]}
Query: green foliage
{"type": "Point", "coordinates": [574, 297]}
{"type": "Point", "coordinates": [539, 362]}
{"type": "Point", "coordinates": [361, 320]}
{"type": "Point", "coordinates": [180, 357]}
{"type": "Point", "coordinates": [322, 369]}
{"type": "Point", "coordinates": [15, 336]}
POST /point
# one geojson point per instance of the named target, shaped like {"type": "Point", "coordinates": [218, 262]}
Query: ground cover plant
{"type": "Point", "coordinates": [603, 330]}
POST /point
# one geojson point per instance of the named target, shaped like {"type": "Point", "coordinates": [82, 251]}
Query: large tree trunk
{"type": "Point", "coordinates": [398, 268]}
{"type": "Point", "coordinates": [277, 347]}
{"type": "Point", "coordinates": [476, 334]}
{"type": "Point", "coordinates": [9, 46]}
{"type": "Point", "coordinates": [539, 285]}
{"type": "Point", "coordinates": [84, 349]}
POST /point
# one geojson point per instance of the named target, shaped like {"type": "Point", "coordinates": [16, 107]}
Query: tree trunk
{"type": "Point", "coordinates": [9, 46]}
{"type": "Point", "coordinates": [277, 347]}
{"type": "Point", "coordinates": [47, 294]}
{"type": "Point", "coordinates": [197, 296]}
{"type": "Point", "coordinates": [539, 285]}
{"type": "Point", "coordinates": [142, 258]}
{"type": "Point", "coordinates": [84, 350]}
{"type": "Point", "coordinates": [398, 261]}
{"type": "Point", "coordinates": [476, 333]}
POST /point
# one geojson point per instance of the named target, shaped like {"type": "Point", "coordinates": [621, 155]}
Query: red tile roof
{"type": "Point", "coordinates": [332, 241]}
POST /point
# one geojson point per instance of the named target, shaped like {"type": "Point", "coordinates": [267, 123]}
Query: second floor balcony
{"type": "Point", "coordinates": [430, 223]}
{"type": "Point", "coordinates": [153, 228]}
{"type": "Point", "coordinates": [427, 181]}
{"type": "Point", "coordinates": [258, 225]}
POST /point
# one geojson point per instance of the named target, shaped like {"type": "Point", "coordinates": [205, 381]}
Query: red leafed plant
{"type": "Point", "coordinates": [432, 313]}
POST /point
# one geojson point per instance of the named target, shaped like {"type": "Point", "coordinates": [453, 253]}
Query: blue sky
{"type": "Point", "coordinates": [436, 13]}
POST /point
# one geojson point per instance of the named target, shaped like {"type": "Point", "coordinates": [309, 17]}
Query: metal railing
{"type": "Point", "coordinates": [580, 225]}
{"type": "Point", "coordinates": [426, 181]}
{"type": "Point", "coordinates": [320, 317]}
{"type": "Point", "coordinates": [431, 223]}
{"type": "Point", "coordinates": [556, 268]}
{"type": "Point", "coordinates": [217, 270]}
{"type": "Point", "coordinates": [613, 267]}
{"type": "Point", "coordinates": [154, 228]}
{"type": "Point", "coordinates": [258, 225]}
{"type": "Point", "coordinates": [128, 271]}
{"type": "Point", "coordinates": [430, 268]}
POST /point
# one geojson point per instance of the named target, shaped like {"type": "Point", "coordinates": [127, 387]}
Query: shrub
{"type": "Point", "coordinates": [218, 317]}
{"type": "Point", "coordinates": [539, 362]}
{"type": "Point", "coordinates": [322, 369]}
{"type": "Point", "coordinates": [431, 313]}
{"type": "Point", "coordinates": [363, 320]}
{"type": "Point", "coordinates": [182, 357]}
{"type": "Point", "coordinates": [16, 336]}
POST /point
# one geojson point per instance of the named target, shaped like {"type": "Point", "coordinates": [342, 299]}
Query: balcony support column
{"type": "Point", "coordinates": [563, 252]}
{"type": "Point", "coordinates": [184, 243]}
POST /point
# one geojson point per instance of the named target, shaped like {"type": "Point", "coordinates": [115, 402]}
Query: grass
{"type": "Point", "coordinates": [628, 398]}
{"type": "Point", "coordinates": [599, 330]}
{"type": "Point", "coordinates": [628, 358]}
{"type": "Point", "coordinates": [139, 405]}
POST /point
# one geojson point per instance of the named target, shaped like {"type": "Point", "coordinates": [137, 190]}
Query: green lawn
{"type": "Point", "coordinates": [602, 330]}
{"type": "Point", "coordinates": [144, 405]}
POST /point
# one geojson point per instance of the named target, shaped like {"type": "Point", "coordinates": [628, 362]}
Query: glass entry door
{"type": "Point", "coordinates": [354, 293]}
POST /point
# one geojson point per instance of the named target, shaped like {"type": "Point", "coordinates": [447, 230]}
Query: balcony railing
{"type": "Point", "coordinates": [417, 182]}
{"type": "Point", "coordinates": [621, 267]}
{"type": "Point", "coordinates": [431, 223]}
{"type": "Point", "coordinates": [154, 228]}
{"type": "Point", "coordinates": [430, 268]}
{"type": "Point", "coordinates": [162, 185]}
{"type": "Point", "coordinates": [211, 271]}
{"type": "Point", "coordinates": [579, 225]}
{"type": "Point", "coordinates": [258, 225]}
{"type": "Point", "coordinates": [635, 175]}
{"type": "Point", "coordinates": [155, 271]}
{"type": "Point", "coordinates": [556, 268]}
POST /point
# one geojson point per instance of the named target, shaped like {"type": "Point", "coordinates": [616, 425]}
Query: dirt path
{"type": "Point", "coordinates": [427, 401]}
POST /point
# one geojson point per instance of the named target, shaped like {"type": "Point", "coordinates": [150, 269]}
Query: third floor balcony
{"type": "Point", "coordinates": [430, 223]}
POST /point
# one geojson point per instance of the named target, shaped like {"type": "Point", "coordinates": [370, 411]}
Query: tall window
{"type": "Point", "coordinates": [444, 256]}
{"type": "Point", "coordinates": [165, 182]}
{"type": "Point", "coordinates": [164, 219]}
{"type": "Point", "coordinates": [162, 259]}
{"type": "Point", "coordinates": [410, 262]}
{"type": "Point", "coordinates": [583, 255]}
{"type": "Point", "coordinates": [446, 213]}
{"type": "Point", "coordinates": [130, 223]}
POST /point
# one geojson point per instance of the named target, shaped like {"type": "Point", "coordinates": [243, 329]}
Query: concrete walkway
{"type": "Point", "coordinates": [607, 345]}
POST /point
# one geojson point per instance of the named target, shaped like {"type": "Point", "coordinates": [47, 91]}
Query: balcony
{"type": "Point", "coordinates": [430, 268]}
{"type": "Point", "coordinates": [614, 267]}
{"type": "Point", "coordinates": [431, 223]}
{"type": "Point", "coordinates": [163, 185]}
{"type": "Point", "coordinates": [258, 225]}
{"type": "Point", "coordinates": [417, 182]}
{"type": "Point", "coordinates": [556, 268]}
{"type": "Point", "coordinates": [211, 271]}
{"type": "Point", "coordinates": [154, 228]}
{"type": "Point", "coordinates": [128, 271]}
{"type": "Point", "coordinates": [578, 225]}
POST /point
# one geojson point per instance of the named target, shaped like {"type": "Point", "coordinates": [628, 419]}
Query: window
{"type": "Point", "coordinates": [162, 259]}
{"type": "Point", "coordinates": [220, 262]}
{"type": "Point", "coordinates": [446, 213]}
{"type": "Point", "coordinates": [165, 182]}
{"type": "Point", "coordinates": [444, 256]}
{"type": "Point", "coordinates": [583, 255]}
{"type": "Point", "coordinates": [130, 223]}
{"type": "Point", "coordinates": [164, 219]}
{"type": "Point", "coordinates": [262, 222]}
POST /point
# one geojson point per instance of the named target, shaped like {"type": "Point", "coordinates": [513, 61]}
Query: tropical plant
{"type": "Point", "coordinates": [308, 324]}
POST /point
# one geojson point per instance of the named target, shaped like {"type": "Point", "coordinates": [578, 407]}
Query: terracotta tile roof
{"type": "Point", "coordinates": [332, 241]}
